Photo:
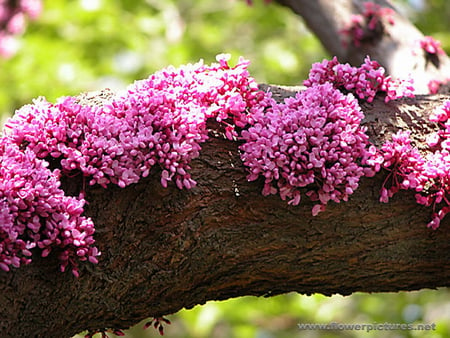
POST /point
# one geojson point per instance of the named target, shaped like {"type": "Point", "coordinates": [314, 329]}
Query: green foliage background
{"type": "Point", "coordinates": [84, 45]}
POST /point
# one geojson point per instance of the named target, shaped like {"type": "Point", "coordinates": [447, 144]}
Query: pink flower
{"type": "Point", "coordinates": [433, 86]}
{"type": "Point", "coordinates": [431, 45]}
{"type": "Point", "coordinates": [312, 140]}
{"type": "Point", "coordinates": [365, 81]}
{"type": "Point", "coordinates": [432, 139]}
{"type": "Point", "coordinates": [317, 209]}
{"type": "Point", "coordinates": [363, 25]}
{"type": "Point", "coordinates": [428, 176]}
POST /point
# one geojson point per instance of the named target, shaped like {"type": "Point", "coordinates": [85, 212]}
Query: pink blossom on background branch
{"type": "Point", "coordinates": [433, 50]}
{"type": "Point", "coordinates": [431, 45]}
{"type": "Point", "coordinates": [363, 26]}
{"type": "Point", "coordinates": [13, 14]}
{"type": "Point", "coordinates": [434, 85]}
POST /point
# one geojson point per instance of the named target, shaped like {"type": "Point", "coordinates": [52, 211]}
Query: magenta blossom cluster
{"type": "Point", "coordinates": [402, 160]}
{"type": "Point", "coordinates": [369, 21]}
{"type": "Point", "coordinates": [158, 122]}
{"type": "Point", "coordinates": [364, 81]}
{"type": "Point", "coordinates": [13, 15]}
{"type": "Point", "coordinates": [312, 140]}
{"type": "Point", "coordinates": [34, 212]}
{"type": "Point", "coordinates": [432, 49]}
{"type": "Point", "coordinates": [428, 175]}
{"type": "Point", "coordinates": [431, 45]}
{"type": "Point", "coordinates": [436, 170]}
{"type": "Point", "coordinates": [434, 86]}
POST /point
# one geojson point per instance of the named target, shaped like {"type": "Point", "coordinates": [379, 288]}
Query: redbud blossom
{"type": "Point", "coordinates": [365, 81]}
{"type": "Point", "coordinates": [428, 175]}
{"type": "Point", "coordinates": [312, 140]}
{"type": "Point", "coordinates": [431, 45]}
{"type": "Point", "coordinates": [362, 25]}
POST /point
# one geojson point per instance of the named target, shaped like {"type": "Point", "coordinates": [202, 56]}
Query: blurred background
{"type": "Point", "coordinates": [84, 45]}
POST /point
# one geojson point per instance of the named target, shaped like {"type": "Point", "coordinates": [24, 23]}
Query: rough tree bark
{"type": "Point", "coordinates": [166, 249]}
{"type": "Point", "coordinates": [395, 46]}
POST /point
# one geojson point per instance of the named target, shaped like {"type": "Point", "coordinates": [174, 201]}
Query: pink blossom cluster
{"type": "Point", "coordinates": [368, 21]}
{"type": "Point", "coordinates": [13, 15]}
{"type": "Point", "coordinates": [34, 212]}
{"type": "Point", "coordinates": [180, 102]}
{"type": "Point", "coordinates": [431, 45]}
{"type": "Point", "coordinates": [432, 48]}
{"type": "Point", "coordinates": [436, 170]}
{"type": "Point", "coordinates": [312, 140]}
{"type": "Point", "coordinates": [159, 121]}
{"type": "Point", "coordinates": [428, 175]}
{"type": "Point", "coordinates": [402, 160]}
{"type": "Point", "coordinates": [434, 86]}
{"type": "Point", "coordinates": [365, 81]}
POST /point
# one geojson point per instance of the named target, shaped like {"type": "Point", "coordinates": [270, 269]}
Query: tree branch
{"type": "Point", "coordinates": [396, 48]}
{"type": "Point", "coordinates": [164, 249]}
